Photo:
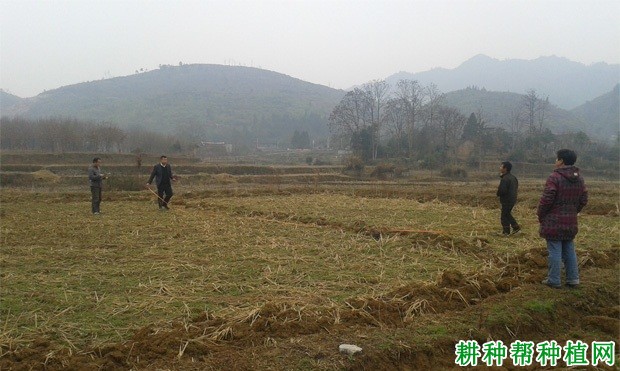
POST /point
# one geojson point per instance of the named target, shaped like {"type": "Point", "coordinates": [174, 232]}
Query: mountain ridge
{"type": "Point", "coordinates": [192, 95]}
{"type": "Point", "coordinates": [602, 114]}
{"type": "Point", "coordinates": [220, 102]}
{"type": "Point", "coordinates": [599, 118]}
{"type": "Point", "coordinates": [567, 83]}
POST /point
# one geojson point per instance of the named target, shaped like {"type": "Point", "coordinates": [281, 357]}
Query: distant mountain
{"type": "Point", "coordinates": [8, 100]}
{"type": "Point", "coordinates": [599, 118]}
{"type": "Point", "coordinates": [602, 114]}
{"type": "Point", "coordinates": [215, 101]}
{"type": "Point", "coordinates": [497, 107]}
{"type": "Point", "coordinates": [231, 103]}
{"type": "Point", "coordinates": [567, 83]}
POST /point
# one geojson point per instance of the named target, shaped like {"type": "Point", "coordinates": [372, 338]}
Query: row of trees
{"type": "Point", "coordinates": [409, 121]}
{"type": "Point", "coordinates": [368, 115]}
{"type": "Point", "coordinates": [412, 121]}
{"type": "Point", "coordinates": [70, 135]}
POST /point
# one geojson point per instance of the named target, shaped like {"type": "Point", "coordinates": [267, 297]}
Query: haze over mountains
{"type": "Point", "coordinates": [599, 118]}
{"type": "Point", "coordinates": [223, 102]}
{"type": "Point", "coordinates": [568, 84]}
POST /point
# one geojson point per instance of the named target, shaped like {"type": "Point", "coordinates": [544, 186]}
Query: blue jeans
{"type": "Point", "coordinates": [562, 251]}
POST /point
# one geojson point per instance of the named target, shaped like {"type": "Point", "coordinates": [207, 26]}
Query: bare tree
{"type": "Point", "coordinates": [449, 122]}
{"type": "Point", "coordinates": [483, 131]}
{"type": "Point", "coordinates": [530, 102]}
{"type": "Point", "coordinates": [352, 118]}
{"type": "Point", "coordinates": [535, 111]}
{"type": "Point", "coordinates": [105, 137]}
{"type": "Point", "coordinates": [141, 140]}
{"type": "Point", "coordinates": [410, 95]}
{"type": "Point", "coordinates": [352, 114]}
{"type": "Point", "coordinates": [515, 120]}
{"type": "Point", "coordinates": [434, 97]}
{"type": "Point", "coordinates": [396, 120]}
{"type": "Point", "coordinates": [62, 135]}
{"type": "Point", "coordinates": [94, 139]}
{"type": "Point", "coordinates": [17, 134]}
{"type": "Point", "coordinates": [542, 110]}
{"type": "Point", "coordinates": [377, 91]}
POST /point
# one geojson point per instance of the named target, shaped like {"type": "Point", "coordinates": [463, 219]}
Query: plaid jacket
{"type": "Point", "coordinates": [564, 196]}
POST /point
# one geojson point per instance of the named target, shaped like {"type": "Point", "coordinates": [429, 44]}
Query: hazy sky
{"type": "Point", "coordinates": [48, 44]}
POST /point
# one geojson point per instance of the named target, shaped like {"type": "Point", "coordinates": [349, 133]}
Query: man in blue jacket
{"type": "Point", "coordinates": [162, 173]}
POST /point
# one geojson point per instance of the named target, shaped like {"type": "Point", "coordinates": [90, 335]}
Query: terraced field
{"type": "Point", "coordinates": [277, 275]}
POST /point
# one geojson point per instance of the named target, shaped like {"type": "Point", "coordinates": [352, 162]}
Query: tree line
{"type": "Point", "coordinates": [413, 122]}
{"type": "Point", "coordinates": [59, 135]}
{"type": "Point", "coordinates": [71, 135]}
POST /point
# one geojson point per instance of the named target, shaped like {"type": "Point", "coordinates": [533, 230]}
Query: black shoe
{"type": "Point", "coordinates": [572, 285]}
{"type": "Point", "coordinates": [516, 230]}
{"type": "Point", "coordinates": [546, 282]}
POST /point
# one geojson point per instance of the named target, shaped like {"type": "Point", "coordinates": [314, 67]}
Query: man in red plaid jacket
{"type": "Point", "coordinates": [563, 198]}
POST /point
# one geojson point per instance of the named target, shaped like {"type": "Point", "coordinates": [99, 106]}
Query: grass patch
{"type": "Point", "coordinates": [540, 306]}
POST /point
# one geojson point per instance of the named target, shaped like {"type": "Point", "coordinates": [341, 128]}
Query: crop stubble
{"type": "Point", "coordinates": [279, 274]}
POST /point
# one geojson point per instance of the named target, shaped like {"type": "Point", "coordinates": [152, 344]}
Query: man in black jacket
{"type": "Point", "coordinates": [162, 173]}
{"type": "Point", "coordinates": [507, 193]}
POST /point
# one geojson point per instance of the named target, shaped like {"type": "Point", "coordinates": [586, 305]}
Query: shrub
{"type": "Point", "coordinates": [45, 176]}
{"type": "Point", "coordinates": [430, 161]}
{"type": "Point", "coordinates": [354, 164]}
{"type": "Point", "coordinates": [399, 171]}
{"type": "Point", "coordinates": [383, 171]}
{"type": "Point", "coordinates": [319, 162]}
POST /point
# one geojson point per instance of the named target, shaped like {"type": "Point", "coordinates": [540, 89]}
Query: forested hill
{"type": "Point", "coordinates": [233, 103]}
{"type": "Point", "coordinates": [598, 118]}
{"type": "Point", "coordinates": [602, 115]}
{"type": "Point", "coordinates": [8, 101]}
{"type": "Point", "coordinates": [220, 100]}
{"type": "Point", "coordinates": [502, 109]}
{"type": "Point", "coordinates": [567, 83]}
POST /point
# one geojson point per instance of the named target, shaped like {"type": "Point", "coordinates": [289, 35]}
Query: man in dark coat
{"type": "Point", "coordinates": [95, 179]}
{"type": "Point", "coordinates": [162, 173]}
{"type": "Point", "coordinates": [563, 198]}
{"type": "Point", "coordinates": [507, 193]}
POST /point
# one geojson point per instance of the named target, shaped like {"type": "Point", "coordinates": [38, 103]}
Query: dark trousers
{"type": "Point", "coordinates": [96, 198]}
{"type": "Point", "coordinates": [507, 219]}
{"type": "Point", "coordinates": [164, 191]}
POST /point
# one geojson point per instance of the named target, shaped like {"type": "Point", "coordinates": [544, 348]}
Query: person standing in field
{"type": "Point", "coordinates": [564, 196]}
{"type": "Point", "coordinates": [507, 193]}
{"type": "Point", "coordinates": [95, 178]}
{"type": "Point", "coordinates": [162, 173]}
